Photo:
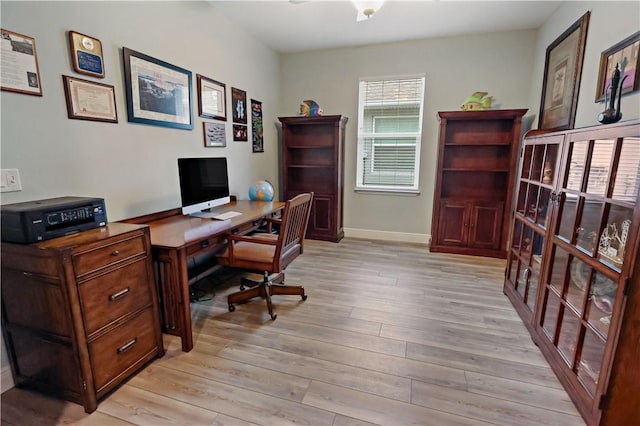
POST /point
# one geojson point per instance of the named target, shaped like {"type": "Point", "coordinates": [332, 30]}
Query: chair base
{"type": "Point", "coordinates": [265, 288]}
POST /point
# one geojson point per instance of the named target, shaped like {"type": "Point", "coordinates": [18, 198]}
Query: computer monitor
{"type": "Point", "coordinates": [204, 183]}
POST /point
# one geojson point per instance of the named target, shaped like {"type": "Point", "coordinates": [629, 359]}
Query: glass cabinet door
{"type": "Point", "coordinates": [582, 283]}
{"type": "Point", "coordinates": [538, 174]}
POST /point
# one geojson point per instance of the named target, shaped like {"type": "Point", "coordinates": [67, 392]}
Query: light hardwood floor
{"type": "Point", "coordinates": [390, 335]}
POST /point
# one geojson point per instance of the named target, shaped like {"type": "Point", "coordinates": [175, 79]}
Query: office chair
{"type": "Point", "coordinates": [270, 254]}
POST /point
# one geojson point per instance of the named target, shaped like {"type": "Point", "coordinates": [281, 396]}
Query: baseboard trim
{"type": "Point", "coordinates": [404, 237]}
{"type": "Point", "coordinates": [6, 379]}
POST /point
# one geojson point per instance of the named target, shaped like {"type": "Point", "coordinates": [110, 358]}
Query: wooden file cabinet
{"type": "Point", "coordinates": [80, 313]}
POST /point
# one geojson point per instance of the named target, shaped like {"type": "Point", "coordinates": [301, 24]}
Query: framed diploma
{"type": "Point", "coordinates": [86, 54]}
{"type": "Point", "coordinates": [88, 100]}
{"type": "Point", "coordinates": [19, 66]}
{"type": "Point", "coordinates": [212, 99]}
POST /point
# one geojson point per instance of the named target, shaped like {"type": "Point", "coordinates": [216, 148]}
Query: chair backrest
{"type": "Point", "coordinates": [293, 229]}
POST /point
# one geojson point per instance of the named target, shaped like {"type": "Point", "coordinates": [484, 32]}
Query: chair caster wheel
{"type": "Point", "coordinates": [274, 316]}
{"type": "Point", "coordinates": [304, 297]}
{"type": "Point", "coordinates": [232, 308]}
{"type": "Point", "coordinates": [241, 287]}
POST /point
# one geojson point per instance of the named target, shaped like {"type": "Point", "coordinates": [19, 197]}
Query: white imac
{"type": "Point", "coordinates": [204, 183]}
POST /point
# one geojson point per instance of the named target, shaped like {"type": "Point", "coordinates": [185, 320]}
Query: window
{"type": "Point", "coordinates": [389, 134]}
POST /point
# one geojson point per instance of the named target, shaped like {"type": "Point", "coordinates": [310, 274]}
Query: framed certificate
{"type": "Point", "coordinates": [86, 54]}
{"type": "Point", "coordinates": [88, 100]}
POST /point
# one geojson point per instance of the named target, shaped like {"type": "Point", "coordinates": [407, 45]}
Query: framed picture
{"type": "Point", "coordinates": [19, 70]}
{"type": "Point", "coordinates": [86, 54]}
{"type": "Point", "coordinates": [239, 133]}
{"type": "Point", "coordinates": [625, 55]}
{"type": "Point", "coordinates": [239, 102]}
{"type": "Point", "coordinates": [214, 135]}
{"type": "Point", "coordinates": [562, 72]}
{"type": "Point", "coordinates": [88, 100]}
{"type": "Point", "coordinates": [257, 133]}
{"type": "Point", "coordinates": [158, 93]}
{"type": "Point", "coordinates": [212, 98]}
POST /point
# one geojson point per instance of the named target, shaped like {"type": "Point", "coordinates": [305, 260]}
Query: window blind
{"type": "Point", "coordinates": [390, 133]}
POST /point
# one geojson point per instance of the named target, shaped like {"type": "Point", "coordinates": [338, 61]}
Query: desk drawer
{"type": "Point", "coordinates": [110, 296]}
{"type": "Point", "coordinates": [115, 352]}
{"type": "Point", "coordinates": [106, 255]}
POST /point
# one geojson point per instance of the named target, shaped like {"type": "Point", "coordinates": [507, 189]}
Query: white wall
{"type": "Point", "coordinates": [132, 166]}
{"type": "Point", "coordinates": [508, 65]}
{"type": "Point", "coordinates": [455, 67]}
{"type": "Point", "coordinates": [609, 23]}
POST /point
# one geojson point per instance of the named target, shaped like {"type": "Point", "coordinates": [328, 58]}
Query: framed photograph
{"type": "Point", "coordinates": [239, 133]}
{"type": "Point", "coordinates": [19, 70]}
{"type": "Point", "coordinates": [239, 103]}
{"type": "Point", "coordinates": [214, 135]}
{"type": "Point", "coordinates": [88, 100]}
{"type": "Point", "coordinates": [158, 93]}
{"type": "Point", "coordinates": [257, 133]}
{"type": "Point", "coordinates": [86, 54]}
{"type": "Point", "coordinates": [562, 73]}
{"type": "Point", "coordinates": [212, 98]}
{"type": "Point", "coordinates": [625, 55]}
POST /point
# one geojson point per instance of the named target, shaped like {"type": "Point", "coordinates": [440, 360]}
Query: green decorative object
{"type": "Point", "coordinates": [477, 102]}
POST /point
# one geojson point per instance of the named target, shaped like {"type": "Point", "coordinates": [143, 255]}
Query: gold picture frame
{"type": "Point", "coordinates": [86, 54]}
{"type": "Point", "coordinates": [562, 72]}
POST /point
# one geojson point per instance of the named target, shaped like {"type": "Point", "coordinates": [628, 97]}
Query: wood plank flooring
{"type": "Point", "coordinates": [390, 335]}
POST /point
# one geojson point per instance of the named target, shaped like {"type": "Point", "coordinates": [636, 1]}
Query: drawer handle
{"type": "Point", "coordinates": [115, 253]}
{"type": "Point", "coordinates": [119, 294]}
{"type": "Point", "coordinates": [127, 346]}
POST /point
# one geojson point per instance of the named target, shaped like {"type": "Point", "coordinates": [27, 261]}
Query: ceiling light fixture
{"type": "Point", "coordinates": [366, 9]}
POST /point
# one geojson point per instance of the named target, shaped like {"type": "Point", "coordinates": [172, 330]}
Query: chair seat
{"type": "Point", "coordinates": [260, 253]}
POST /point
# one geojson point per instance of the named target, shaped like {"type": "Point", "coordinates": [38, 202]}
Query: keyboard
{"type": "Point", "coordinates": [227, 215]}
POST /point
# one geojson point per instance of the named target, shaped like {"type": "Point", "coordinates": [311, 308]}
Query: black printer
{"type": "Point", "coordinates": [39, 220]}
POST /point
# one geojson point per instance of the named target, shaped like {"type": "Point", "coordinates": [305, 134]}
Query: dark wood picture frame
{"type": "Point", "coordinates": [212, 98]}
{"type": "Point", "coordinates": [562, 74]}
{"type": "Point", "coordinates": [86, 54]}
{"type": "Point", "coordinates": [239, 105]}
{"type": "Point", "coordinates": [20, 75]}
{"type": "Point", "coordinates": [152, 87]}
{"type": "Point", "coordinates": [90, 100]}
{"type": "Point", "coordinates": [627, 54]}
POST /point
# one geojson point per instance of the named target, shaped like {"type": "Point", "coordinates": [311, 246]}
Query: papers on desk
{"type": "Point", "coordinates": [209, 227]}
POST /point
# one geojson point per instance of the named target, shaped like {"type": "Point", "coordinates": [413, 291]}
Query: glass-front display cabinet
{"type": "Point", "coordinates": [574, 245]}
{"type": "Point", "coordinates": [538, 175]}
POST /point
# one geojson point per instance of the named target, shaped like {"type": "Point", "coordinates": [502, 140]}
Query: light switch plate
{"type": "Point", "coordinates": [10, 180]}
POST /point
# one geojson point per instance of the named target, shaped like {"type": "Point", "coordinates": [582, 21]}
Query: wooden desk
{"type": "Point", "coordinates": [175, 239]}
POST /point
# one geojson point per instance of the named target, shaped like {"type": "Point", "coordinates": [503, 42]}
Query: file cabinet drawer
{"type": "Point", "coordinates": [103, 256]}
{"type": "Point", "coordinates": [123, 347]}
{"type": "Point", "coordinates": [110, 296]}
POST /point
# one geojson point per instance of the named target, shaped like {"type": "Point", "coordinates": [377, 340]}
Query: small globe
{"type": "Point", "coordinates": [262, 190]}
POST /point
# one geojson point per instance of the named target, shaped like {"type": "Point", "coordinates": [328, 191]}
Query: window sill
{"type": "Point", "coordinates": [388, 191]}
